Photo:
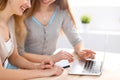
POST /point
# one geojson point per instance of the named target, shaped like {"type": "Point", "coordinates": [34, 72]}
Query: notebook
{"type": "Point", "coordinates": [89, 67]}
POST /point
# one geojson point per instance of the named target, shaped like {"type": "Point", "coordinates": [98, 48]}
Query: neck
{"type": "Point", "coordinates": [5, 15]}
{"type": "Point", "coordinates": [46, 8]}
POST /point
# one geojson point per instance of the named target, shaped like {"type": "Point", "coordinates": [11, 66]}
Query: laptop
{"type": "Point", "coordinates": [88, 67]}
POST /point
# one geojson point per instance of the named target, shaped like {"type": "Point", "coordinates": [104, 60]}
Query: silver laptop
{"type": "Point", "coordinates": [89, 67]}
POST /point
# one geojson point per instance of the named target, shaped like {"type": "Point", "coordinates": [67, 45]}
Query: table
{"type": "Point", "coordinates": [111, 70]}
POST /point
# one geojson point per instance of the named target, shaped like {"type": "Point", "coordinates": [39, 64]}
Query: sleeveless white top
{"type": "Point", "coordinates": [5, 50]}
{"type": "Point", "coordinates": [8, 45]}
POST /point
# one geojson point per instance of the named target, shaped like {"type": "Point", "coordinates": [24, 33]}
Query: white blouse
{"type": "Point", "coordinates": [8, 45]}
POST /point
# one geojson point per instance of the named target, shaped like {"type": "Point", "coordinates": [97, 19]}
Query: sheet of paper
{"type": "Point", "coordinates": [63, 63]}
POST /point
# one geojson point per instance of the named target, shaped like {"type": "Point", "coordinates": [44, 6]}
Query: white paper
{"type": "Point", "coordinates": [62, 63]}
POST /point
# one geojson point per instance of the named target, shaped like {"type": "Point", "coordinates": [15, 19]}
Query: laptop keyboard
{"type": "Point", "coordinates": [92, 67]}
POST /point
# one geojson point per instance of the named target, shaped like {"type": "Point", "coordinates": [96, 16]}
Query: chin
{"type": "Point", "coordinates": [20, 13]}
{"type": "Point", "coordinates": [46, 5]}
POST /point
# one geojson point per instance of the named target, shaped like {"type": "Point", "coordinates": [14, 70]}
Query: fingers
{"type": "Point", "coordinates": [51, 63]}
{"type": "Point", "coordinates": [86, 54]}
{"type": "Point", "coordinates": [63, 55]}
{"type": "Point", "coordinates": [46, 65]}
{"type": "Point", "coordinates": [54, 71]}
{"type": "Point", "coordinates": [69, 57]}
{"type": "Point", "coordinates": [89, 51]}
{"type": "Point", "coordinates": [58, 70]}
{"type": "Point", "coordinates": [66, 55]}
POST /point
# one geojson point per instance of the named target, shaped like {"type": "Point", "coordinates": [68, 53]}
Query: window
{"type": "Point", "coordinates": [111, 3]}
{"type": "Point", "coordinates": [105, 14]}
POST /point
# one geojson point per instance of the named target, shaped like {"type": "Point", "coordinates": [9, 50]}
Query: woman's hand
{"type": "Point", "coordinates": [55, 71]}
{"type": "Point", "coordinates": [85, 54]}
{"type": "Point", "coordinates": [46, 63]}
{"type": "Point", "coordinates": [49, 61]}
{"type": "Point", "coordinates": [62, 55]}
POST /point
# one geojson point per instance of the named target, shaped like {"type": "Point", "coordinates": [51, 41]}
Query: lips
{"type": "Point", "coordinates": [45, 1]}
{"type": "Point", "coordinates": [23, 8]}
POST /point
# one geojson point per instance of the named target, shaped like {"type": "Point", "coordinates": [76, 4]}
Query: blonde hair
{"type": "Point", "coordinates": [62, 3]}
{"type": "Point", "coordinates": [3, 4]}
{"type": "Point", "coordinates": [31, 10]}
{"type": "Point", "coordinates": [20, 28]}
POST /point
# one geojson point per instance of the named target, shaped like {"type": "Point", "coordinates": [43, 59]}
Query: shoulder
{"type": "Point", "coordinates": [29, 21]}
{"type": "Point", "coordinates": [61, 11]}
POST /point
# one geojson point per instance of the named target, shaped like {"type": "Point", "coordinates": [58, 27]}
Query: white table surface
{"type": "Point", "coordinates": [111, 70]}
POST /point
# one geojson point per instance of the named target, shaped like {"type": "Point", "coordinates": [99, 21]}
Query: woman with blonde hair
{"type": "Point", "coordinates": [44, 21]}
{"type": "Point", "coordinates": [10, 10]}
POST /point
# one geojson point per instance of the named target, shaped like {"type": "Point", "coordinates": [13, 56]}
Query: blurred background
{"type": "Point", "coordinates": [98, 23]}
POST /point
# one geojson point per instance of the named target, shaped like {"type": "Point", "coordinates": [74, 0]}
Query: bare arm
{"type": "Point", "coordinates": [20, 74]}
{"type": "Point", "coordinates": [44, 60]}
{"type": "Point", "coordinates": [83, 54]}
{"type": "Point", "coordinates": [61, 55]}
{"type": "Point", "coordinates": [21, 62]}
{"type": "Point", "coordinates": [78, 47]}
{"type": "Point", "coordinates": [7, 74]}
{"type": "Point", "coordinates": [35, 57]}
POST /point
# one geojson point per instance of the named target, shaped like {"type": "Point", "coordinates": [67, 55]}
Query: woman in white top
{"type": "Point", "coordinates": [8, 49]}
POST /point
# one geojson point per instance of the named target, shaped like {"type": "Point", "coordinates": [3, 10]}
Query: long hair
{"type": "Point", "coordinates": [31, 11]}
{"type": "Point", "coordinates": [20, 31]}
{"type": "Point", "coordinates": [3, 4]}
{"type": "Point", "coordinates": [62, 3]}
{"type": "Point", "coordinates": [20, 28]}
